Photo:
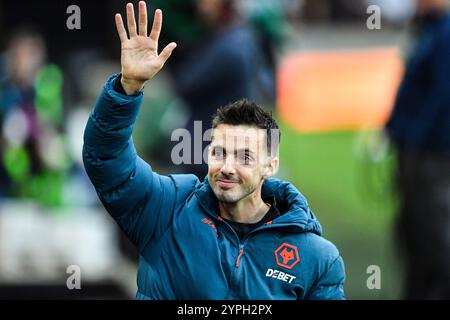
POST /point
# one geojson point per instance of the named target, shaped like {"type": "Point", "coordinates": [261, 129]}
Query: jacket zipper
{"type": "Point", "coordinates": [241, 242]}
{"type": "Point", "coordinates": [241, 252]}
{"type": "Point", "coordinates": [237, 273]}
{"type": "Point", "coordinates": [241, 245]}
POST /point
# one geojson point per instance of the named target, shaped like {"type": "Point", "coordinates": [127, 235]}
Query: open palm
{"type": "Point", "coordinates": [140, 60]}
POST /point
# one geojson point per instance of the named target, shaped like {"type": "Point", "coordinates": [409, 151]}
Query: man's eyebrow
{"type": "Point", "coordinates": [246, 150]}
{"type": "Point", "coordinates": [215, 146]}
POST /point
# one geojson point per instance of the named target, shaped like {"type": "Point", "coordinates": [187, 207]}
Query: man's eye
{"type": "Point", "coordinates": [218, 153]}
{"type": "Point", "coordinates": [244, 158]}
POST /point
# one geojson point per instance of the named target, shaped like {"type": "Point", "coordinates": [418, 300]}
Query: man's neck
{"type": "Point", "coordinates": [248, 210]}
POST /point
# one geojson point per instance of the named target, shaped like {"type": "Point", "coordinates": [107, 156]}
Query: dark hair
{"type": "Point", "coordinates": [245, 112]}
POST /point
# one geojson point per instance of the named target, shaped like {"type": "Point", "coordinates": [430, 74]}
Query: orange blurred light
{"type": "Point", "coordinates": [339, 89]}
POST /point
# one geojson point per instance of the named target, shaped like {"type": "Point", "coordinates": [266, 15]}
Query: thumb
{"type": "Point", "coordinates": [167, 51]}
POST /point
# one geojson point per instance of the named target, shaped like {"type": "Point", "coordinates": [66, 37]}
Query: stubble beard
{"type": "Point", "coordinates": [222, 195]}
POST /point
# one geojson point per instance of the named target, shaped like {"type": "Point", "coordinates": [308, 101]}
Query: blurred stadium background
{"type": "Point", "coordinates": [336, 82]}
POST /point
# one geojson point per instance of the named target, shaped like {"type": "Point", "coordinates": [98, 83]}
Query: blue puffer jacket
{"type": "Point", "coordinates": [186, 250]}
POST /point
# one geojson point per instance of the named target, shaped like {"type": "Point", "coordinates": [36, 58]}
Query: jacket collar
{"type": "Point", "coordinates": [293, 206]}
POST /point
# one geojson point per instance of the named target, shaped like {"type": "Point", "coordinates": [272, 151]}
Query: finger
{"type": "Point", "coordinates": [120, 28]}
{"type": "Point", "coordinates": [167, 51]}
{"type": "Point", "coordinates": [156, 27]}
{"type": "Point", "coordinates": [142, 18]}
{"type": "Point", "coordinates": [131, 21]}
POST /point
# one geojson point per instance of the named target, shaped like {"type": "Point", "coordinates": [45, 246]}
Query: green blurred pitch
{"type": "Point", "coordinates": [346, 177]}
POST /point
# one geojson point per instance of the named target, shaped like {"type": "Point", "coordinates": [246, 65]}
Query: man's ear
{"type": "Point", "coordinates": [271, 168]}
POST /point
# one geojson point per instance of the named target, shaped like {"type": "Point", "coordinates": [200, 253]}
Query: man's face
{"type": "Point", "coordinates": [238, 162]}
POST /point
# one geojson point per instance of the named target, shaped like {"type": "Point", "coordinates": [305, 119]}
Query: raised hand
{"type": "Point", "coordinates": [139, 53]}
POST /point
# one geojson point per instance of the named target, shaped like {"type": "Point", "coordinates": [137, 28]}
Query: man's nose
{"type": "Point", "coordinates": [228, 167]}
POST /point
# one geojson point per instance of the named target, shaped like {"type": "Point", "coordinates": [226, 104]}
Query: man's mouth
{"type": "Point", "coordinates": [227, 183]}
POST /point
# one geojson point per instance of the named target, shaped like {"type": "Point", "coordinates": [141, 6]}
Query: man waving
{"type": "Point", "coordinates": [239, 233]}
